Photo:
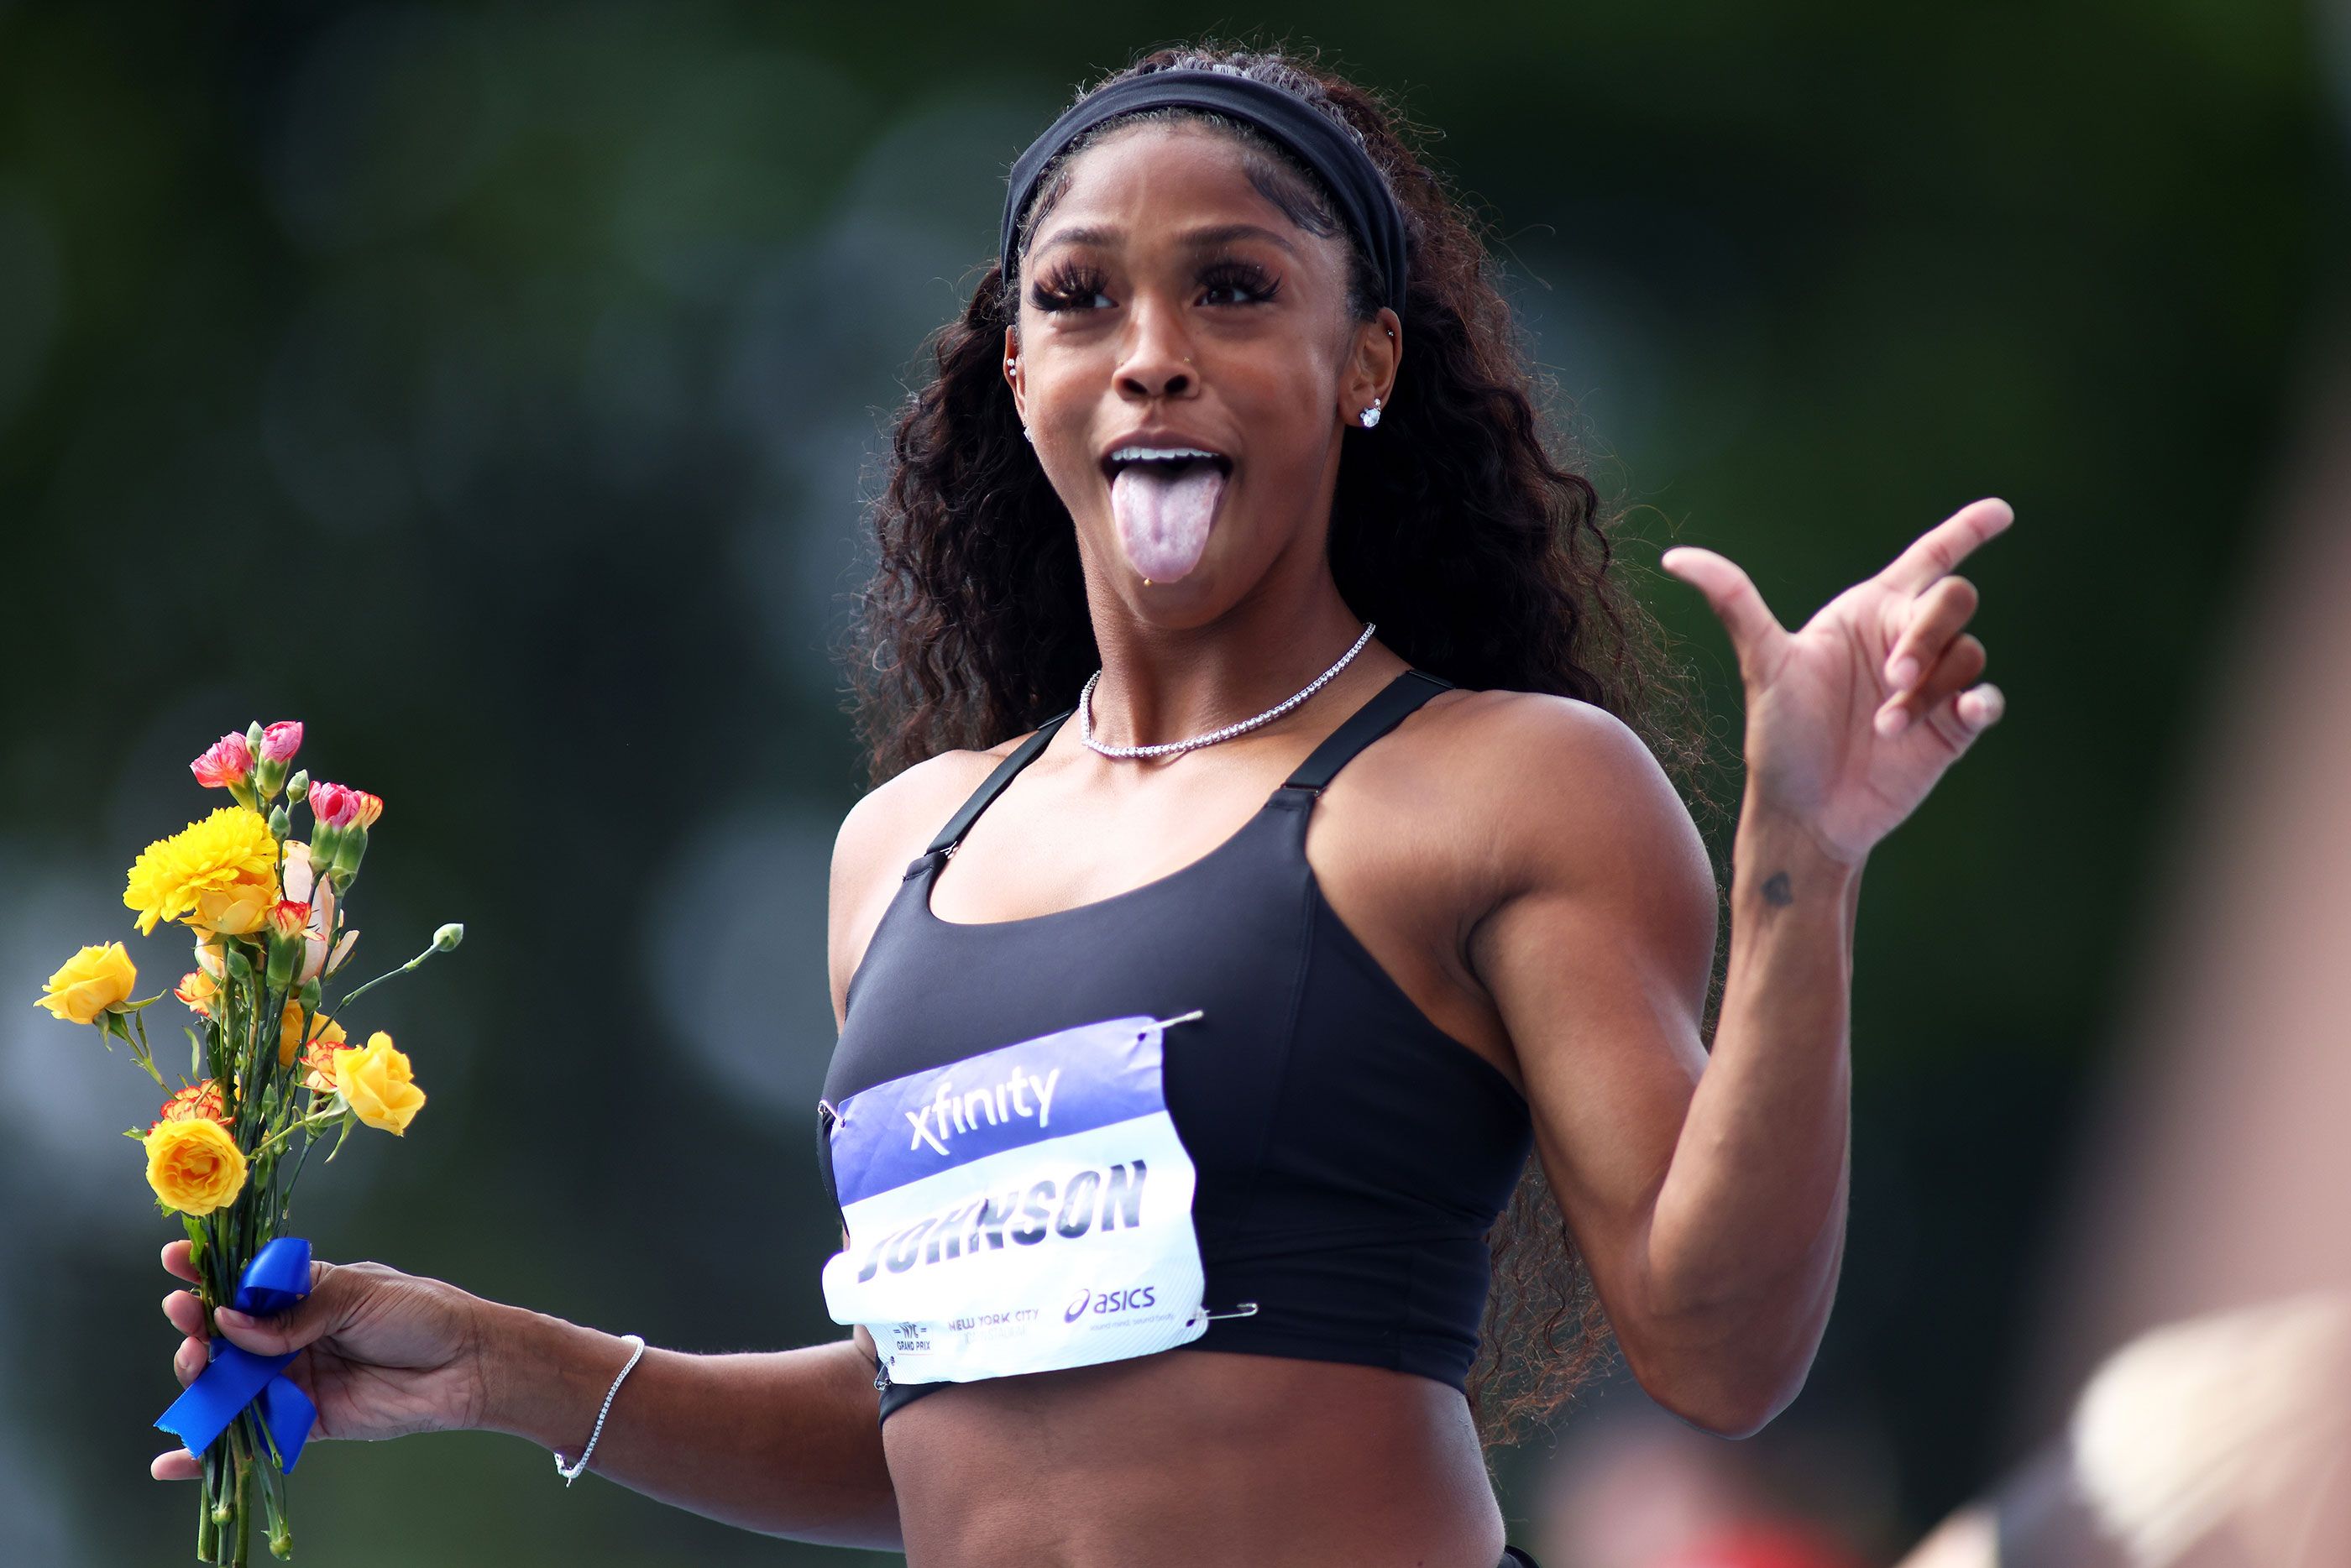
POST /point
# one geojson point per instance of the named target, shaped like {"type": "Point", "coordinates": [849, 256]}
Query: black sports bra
{"type": "Point", "coordinates": [1350, 1154]}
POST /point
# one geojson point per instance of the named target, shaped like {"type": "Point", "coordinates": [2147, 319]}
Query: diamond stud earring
{"type": "Point", "coordinates": [1370, 416]}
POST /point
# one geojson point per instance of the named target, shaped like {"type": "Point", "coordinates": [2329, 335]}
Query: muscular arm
{"type": "Point", "coordinates": [1707, 1194]}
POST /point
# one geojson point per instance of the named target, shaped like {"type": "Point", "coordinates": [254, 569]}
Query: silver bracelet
{"type": "Point", "coordinates": [571, 1472]}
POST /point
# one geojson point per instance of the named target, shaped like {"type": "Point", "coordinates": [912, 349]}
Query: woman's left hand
{"type": "Point", "coordinates": [1851, 720]}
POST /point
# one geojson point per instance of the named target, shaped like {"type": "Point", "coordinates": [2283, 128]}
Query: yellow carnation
{"type": "Point", "coordinates": [93, 981]}
{"type": "Point", "coordinates": [222, 870]}
{"type": "Point", "coordinates": [194, 1166]}
{"type": "Point", "coordinates": [375, 1083]}
{"type": "Point", "coordinates": [323, 1031]}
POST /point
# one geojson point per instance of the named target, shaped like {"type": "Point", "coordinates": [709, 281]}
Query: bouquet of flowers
{"type": "Point", "coordinates": [271, 1071]}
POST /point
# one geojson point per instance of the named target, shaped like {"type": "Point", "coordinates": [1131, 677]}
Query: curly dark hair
{"type": "Point", "coordinates": [1484, 559]}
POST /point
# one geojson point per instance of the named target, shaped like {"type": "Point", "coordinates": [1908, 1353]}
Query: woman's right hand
{"type": "Point", "coordinates": [381, 1353]}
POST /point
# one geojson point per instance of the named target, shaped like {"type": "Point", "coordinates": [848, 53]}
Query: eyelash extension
{"type": "Point", "coordinates": [1070, 287]}
{"type": "Point", "coordinates": [1066, 288]}
{"type": "Point", "coordinates": [1229, 272]}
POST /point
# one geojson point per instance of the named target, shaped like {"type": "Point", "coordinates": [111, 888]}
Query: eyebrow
{"type": "Point", "coordinates": [1194, 239]}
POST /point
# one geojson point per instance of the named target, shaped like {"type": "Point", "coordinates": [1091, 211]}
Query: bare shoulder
{"type": "Point", "coordinates": [1559, 789]}
{"type": "Point", "coordinates": [882, 835]}
{"type": "Point", "coordinates": [1571, 839]}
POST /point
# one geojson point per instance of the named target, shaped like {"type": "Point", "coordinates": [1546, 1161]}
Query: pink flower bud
{"type": "Point", "coordinates": [334, 805]}
{"type": "Point", "coordinates": [225, 763]}
{"type": "Point", "coordinates": [287, 920]}
{"type": "Point", "coordinates": [371, 807]}
{"type": "Point", "coordinates": [281, 741]}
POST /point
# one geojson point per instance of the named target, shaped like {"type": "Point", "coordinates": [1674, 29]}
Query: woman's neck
{"type": "Point", "coordinates": [1162, 683]}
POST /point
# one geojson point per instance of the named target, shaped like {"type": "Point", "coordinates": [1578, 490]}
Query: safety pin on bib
{"type": "Point", "coordinates": [1246, 1309]}
{"type": "Point", "coordinates": [1180, 1018]}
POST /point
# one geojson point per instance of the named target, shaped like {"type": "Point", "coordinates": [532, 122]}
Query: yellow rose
{"type": "Point", "coordinates": [91, 982]}
{"type": "Point", "coordinates": [194, 1166]}
{"type": "Point", "coordinates": [237, 908]}
{"type": "Point", "coordinates": [375, 1083]}
{"type": "Point", "coordinates": [323, 1031]}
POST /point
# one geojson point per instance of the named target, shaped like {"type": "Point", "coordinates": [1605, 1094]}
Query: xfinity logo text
{"type": "Point", "coordinates": [949, 1112]}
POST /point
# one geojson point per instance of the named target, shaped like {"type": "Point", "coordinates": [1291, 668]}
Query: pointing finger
{"type": "Point", "coordinates": [1941, 548]}
{"type": "Point", "coordinates": [1755, 633]}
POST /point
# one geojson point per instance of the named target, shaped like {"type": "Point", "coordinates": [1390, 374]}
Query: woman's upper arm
{"type": "Point", "coordinates": [1596, 953]}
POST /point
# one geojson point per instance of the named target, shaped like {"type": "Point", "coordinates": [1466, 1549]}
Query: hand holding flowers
{"type": "Point", "coordinates": [273, 1073]}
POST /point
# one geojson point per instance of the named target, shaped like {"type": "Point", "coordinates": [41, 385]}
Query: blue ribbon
{"type": "Point", "coordinates": [278, 1276]}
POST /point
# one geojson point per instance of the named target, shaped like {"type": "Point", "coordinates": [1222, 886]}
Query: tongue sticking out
{"type": "Point", "coordinates": [1164, 512]}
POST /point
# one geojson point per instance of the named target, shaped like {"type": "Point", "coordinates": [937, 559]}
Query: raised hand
{"type": "Point", "coordinates": [1852, 719]}
{"type": "Point", "coordinates": [381, 1353]}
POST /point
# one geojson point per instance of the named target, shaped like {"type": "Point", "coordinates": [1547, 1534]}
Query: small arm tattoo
{"type": "Point", "coordinates": [1777, 892]}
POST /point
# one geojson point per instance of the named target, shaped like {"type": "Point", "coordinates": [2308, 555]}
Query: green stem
{"type": "Point", "coordinates": [208, 1532]}
{"type": "Point", "coordinates": [147, 1053]}
{"type": "Point", "coordinates": [344, 1006]}
{"type": "Point", "coordinates": [244, 1506]}
{"type": "Point", "coordinates": [288, 1130]}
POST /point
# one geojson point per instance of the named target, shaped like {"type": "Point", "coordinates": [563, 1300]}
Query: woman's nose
{"type": "Point", "coordinates": [1159, 362]}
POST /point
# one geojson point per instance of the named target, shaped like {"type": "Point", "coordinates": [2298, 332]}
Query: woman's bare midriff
{"type": "Point", "coordinates": [1193, 1457]}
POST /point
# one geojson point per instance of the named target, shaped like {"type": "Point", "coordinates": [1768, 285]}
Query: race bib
{"type": "Point", "coordinates": [1020, 1211]}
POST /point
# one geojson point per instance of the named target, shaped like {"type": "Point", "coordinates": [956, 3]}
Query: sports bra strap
{"type": "Point", "coordinates": [1021, 756]}
{"type": "Point", "coordinates": [1367, 723]}
{"type": "Point", "coordinates": [1386, 710]}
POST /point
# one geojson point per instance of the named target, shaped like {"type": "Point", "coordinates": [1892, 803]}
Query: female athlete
{"type": "Point", "coordinates": [1273, 850]}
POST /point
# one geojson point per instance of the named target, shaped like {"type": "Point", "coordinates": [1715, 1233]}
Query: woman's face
{"type": "Point", "coordinates": [1165, 305]}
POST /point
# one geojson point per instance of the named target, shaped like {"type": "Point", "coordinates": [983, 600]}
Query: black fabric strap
{"type": "Point", "coordinates": [1022, 756]}
{"type": "Point", "coordinates": [1376, 718]}
{"type": "Point", "coordinates": [1367, 723]}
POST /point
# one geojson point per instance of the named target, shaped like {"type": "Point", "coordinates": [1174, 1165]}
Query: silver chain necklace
{"type": "Point", "coordinates": [1086, 714]}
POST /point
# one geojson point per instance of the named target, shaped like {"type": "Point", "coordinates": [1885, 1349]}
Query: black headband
{"type": "Point", "coordinates": [1364, 201]}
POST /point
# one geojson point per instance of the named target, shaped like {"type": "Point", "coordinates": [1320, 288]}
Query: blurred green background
{"type": "Point", "coordinates": [493, 388]}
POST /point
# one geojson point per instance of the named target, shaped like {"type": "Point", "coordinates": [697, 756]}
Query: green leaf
{"type": "Point", "coordinates": [350, 1120]}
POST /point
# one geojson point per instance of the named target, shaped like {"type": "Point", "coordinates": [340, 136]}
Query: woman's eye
{"type": "Point", "coordinates": [1225, 284]}
{"type": "Point", "coordinates": [1069, 292]}
{"type": "Point", "coordinates": [1249, 284]}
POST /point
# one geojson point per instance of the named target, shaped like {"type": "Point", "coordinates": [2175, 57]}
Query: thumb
{"type": "Point", "coordinates": [1754, 630]}
{"type": "Point", "coordinates": [296, 1326]}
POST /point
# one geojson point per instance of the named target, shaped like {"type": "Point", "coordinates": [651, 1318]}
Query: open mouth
{"type": "Point", "coordinates": [1165, 499]}
{"type": "Point", "coordinates": [1168, 463]}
